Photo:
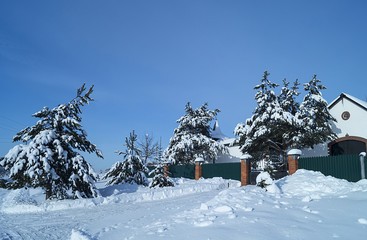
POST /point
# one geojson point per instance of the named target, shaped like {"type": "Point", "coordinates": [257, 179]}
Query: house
{"type": "Point", "coordinates": [351, 128]}
{"type": "Point", "coordinates": [234, 153]}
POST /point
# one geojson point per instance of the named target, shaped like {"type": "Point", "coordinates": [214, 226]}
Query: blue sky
{"type": "Point", "coordinates": [147, 59]}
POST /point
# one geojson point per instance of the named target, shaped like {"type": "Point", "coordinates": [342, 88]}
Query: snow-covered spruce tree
{"type": "Point", "coordinates": [48, 157]}
{"type": "Point", "coordinates": [287, 97]}
{"type": "Point", "coordinates": [132, 169]}
{"type": "Point", "coordinates": [159, 179]}
{"type": "Point", "coordinates": [262, 129]}
{"type": "Point", "coordinates": [315, 116]}
{"type": "Point", "coordinates": [192, 139]}
{"type": "Point", "coordinates": [288, 130]}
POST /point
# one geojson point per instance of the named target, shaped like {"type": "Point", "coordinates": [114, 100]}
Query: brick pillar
{"type": "Point", "coordinates": [197, 171]}
{"type": "Point", "coordinates": [292, 164]}
{"type": "Point", "coordinates": [245, 172]}
{"type": "Point", "coordinates": [198, 162]}
{"type": "Point", "coordinates": [165, 169]}
{"type": "Point", "coordinates": [245, 169]}
{"type": "Point", "coordinates": [293, 156]}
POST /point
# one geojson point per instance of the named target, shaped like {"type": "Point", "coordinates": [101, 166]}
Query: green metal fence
{"type": "Point", "coordinates": [185, 171]}
{"type": "Point", "coordinates": [224, 170]}
{"type": "Point", "coordinates": [342, 166]}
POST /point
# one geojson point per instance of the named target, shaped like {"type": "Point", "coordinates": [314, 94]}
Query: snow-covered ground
{"type": "Point", "coordinates": [306, 205]}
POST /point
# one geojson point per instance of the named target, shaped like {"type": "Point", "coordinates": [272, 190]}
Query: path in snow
{"type": "Point", "coordinates": [121, 219]}
{"type": "Point", "coordinates": [306, 205]}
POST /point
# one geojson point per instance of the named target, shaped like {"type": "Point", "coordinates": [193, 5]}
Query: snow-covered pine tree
{"type": "Point", "coordinates": [159, 178]}
{"type": "Point", "coordinates": [262, 128]}
{"type": "Point", "coordinates": [48, 157]}
{"type": "Point", "coordinates": [288, 128]}
{"type": "Point", "coordinates": [192, 139]}
{"type": "Point", "coordinates": [287, 97]}
{"type": "Point", "coordinates": [132, 169]}
{"type": "Point", "coordinates": [315, 116]}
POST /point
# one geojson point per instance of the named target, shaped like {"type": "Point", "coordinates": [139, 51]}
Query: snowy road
{"type": "Point", "coordinates": [306, 205]}
{"type": "Point", "coordinates": [135, 220]}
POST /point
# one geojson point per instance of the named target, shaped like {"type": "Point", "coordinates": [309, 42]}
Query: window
{"type": "Point", "coordinates": [345, 115]}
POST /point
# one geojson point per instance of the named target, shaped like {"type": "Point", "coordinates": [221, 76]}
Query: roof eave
{"type": "Point", "coordinates": [343, 95]}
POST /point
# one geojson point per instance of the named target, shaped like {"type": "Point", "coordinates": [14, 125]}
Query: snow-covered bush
{"type": "Point", "coordinates": [49, 157]}
{"type": "Point", "coordinates": [263, 180]}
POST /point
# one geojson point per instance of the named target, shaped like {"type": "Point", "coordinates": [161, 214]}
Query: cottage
{"type": "Point", "coordinates": [351, 115]}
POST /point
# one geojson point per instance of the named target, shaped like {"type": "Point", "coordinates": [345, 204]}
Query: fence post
{"type": "Point", "coordinates": [165, 169]}
{"type": "Point", "coordinates": [245, 169]}
{"type": "Point", "coordinates": [293, 156]}
{"type": "Point", "coordinates": [198, 162]}
{"type": "Point", "coordinates": [361, 158]}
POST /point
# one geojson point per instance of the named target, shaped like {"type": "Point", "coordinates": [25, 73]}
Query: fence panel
{"type": "Point", "coordinates": [185, 171]}
{"type": "Point", "coordinates": [342, 166]}
{"type": "Point", "coordinates": [224, 170]}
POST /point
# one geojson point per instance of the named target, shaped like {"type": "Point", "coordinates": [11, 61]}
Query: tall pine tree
{"type": "Point", "coordinates": [288, 128]}
{"type": "Point", "coordinates": [192, 139]}
{"type": "Point", "coordinates": [262, 129]}
{"type": "Point", "coordinates": [132, 169]}
{"type": "Point", "coordinates": [315, 116]}
{"type": "Point", "coordinates": [281, 122]}
{"type": "Point", "coordinates": [49, 157]}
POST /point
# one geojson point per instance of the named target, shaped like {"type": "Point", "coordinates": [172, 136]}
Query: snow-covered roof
{"type": "Point", "coordinates": [217, 133]}
{"type": "Point", "coordinates": [355, 100]}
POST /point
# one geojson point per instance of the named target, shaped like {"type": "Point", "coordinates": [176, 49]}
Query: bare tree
{"type": "Point", "coordinates": [148, 148]}
{"type": "Point", "coordinates": [159, 152]}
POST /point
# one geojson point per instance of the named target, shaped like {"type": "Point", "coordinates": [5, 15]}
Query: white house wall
{"type": "Point", "coordinates": [233, 155]}
{"type": "Point", "coordinates": [356, 125]}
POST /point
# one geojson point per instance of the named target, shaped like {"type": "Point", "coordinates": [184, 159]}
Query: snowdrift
{"type": "Point", "coordinates": [33, 200]}
{"type": "Point", "coordinates": [306, 185]}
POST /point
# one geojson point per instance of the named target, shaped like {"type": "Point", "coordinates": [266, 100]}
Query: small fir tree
{"type": "Point", "coordinates": [192, 139]}
{"type": "Point", "coordinates": [160, 179]}
{"type": "Point", "coordinates": [132, 169]}
{"type": "Point", "coordinates": [48, 157]}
